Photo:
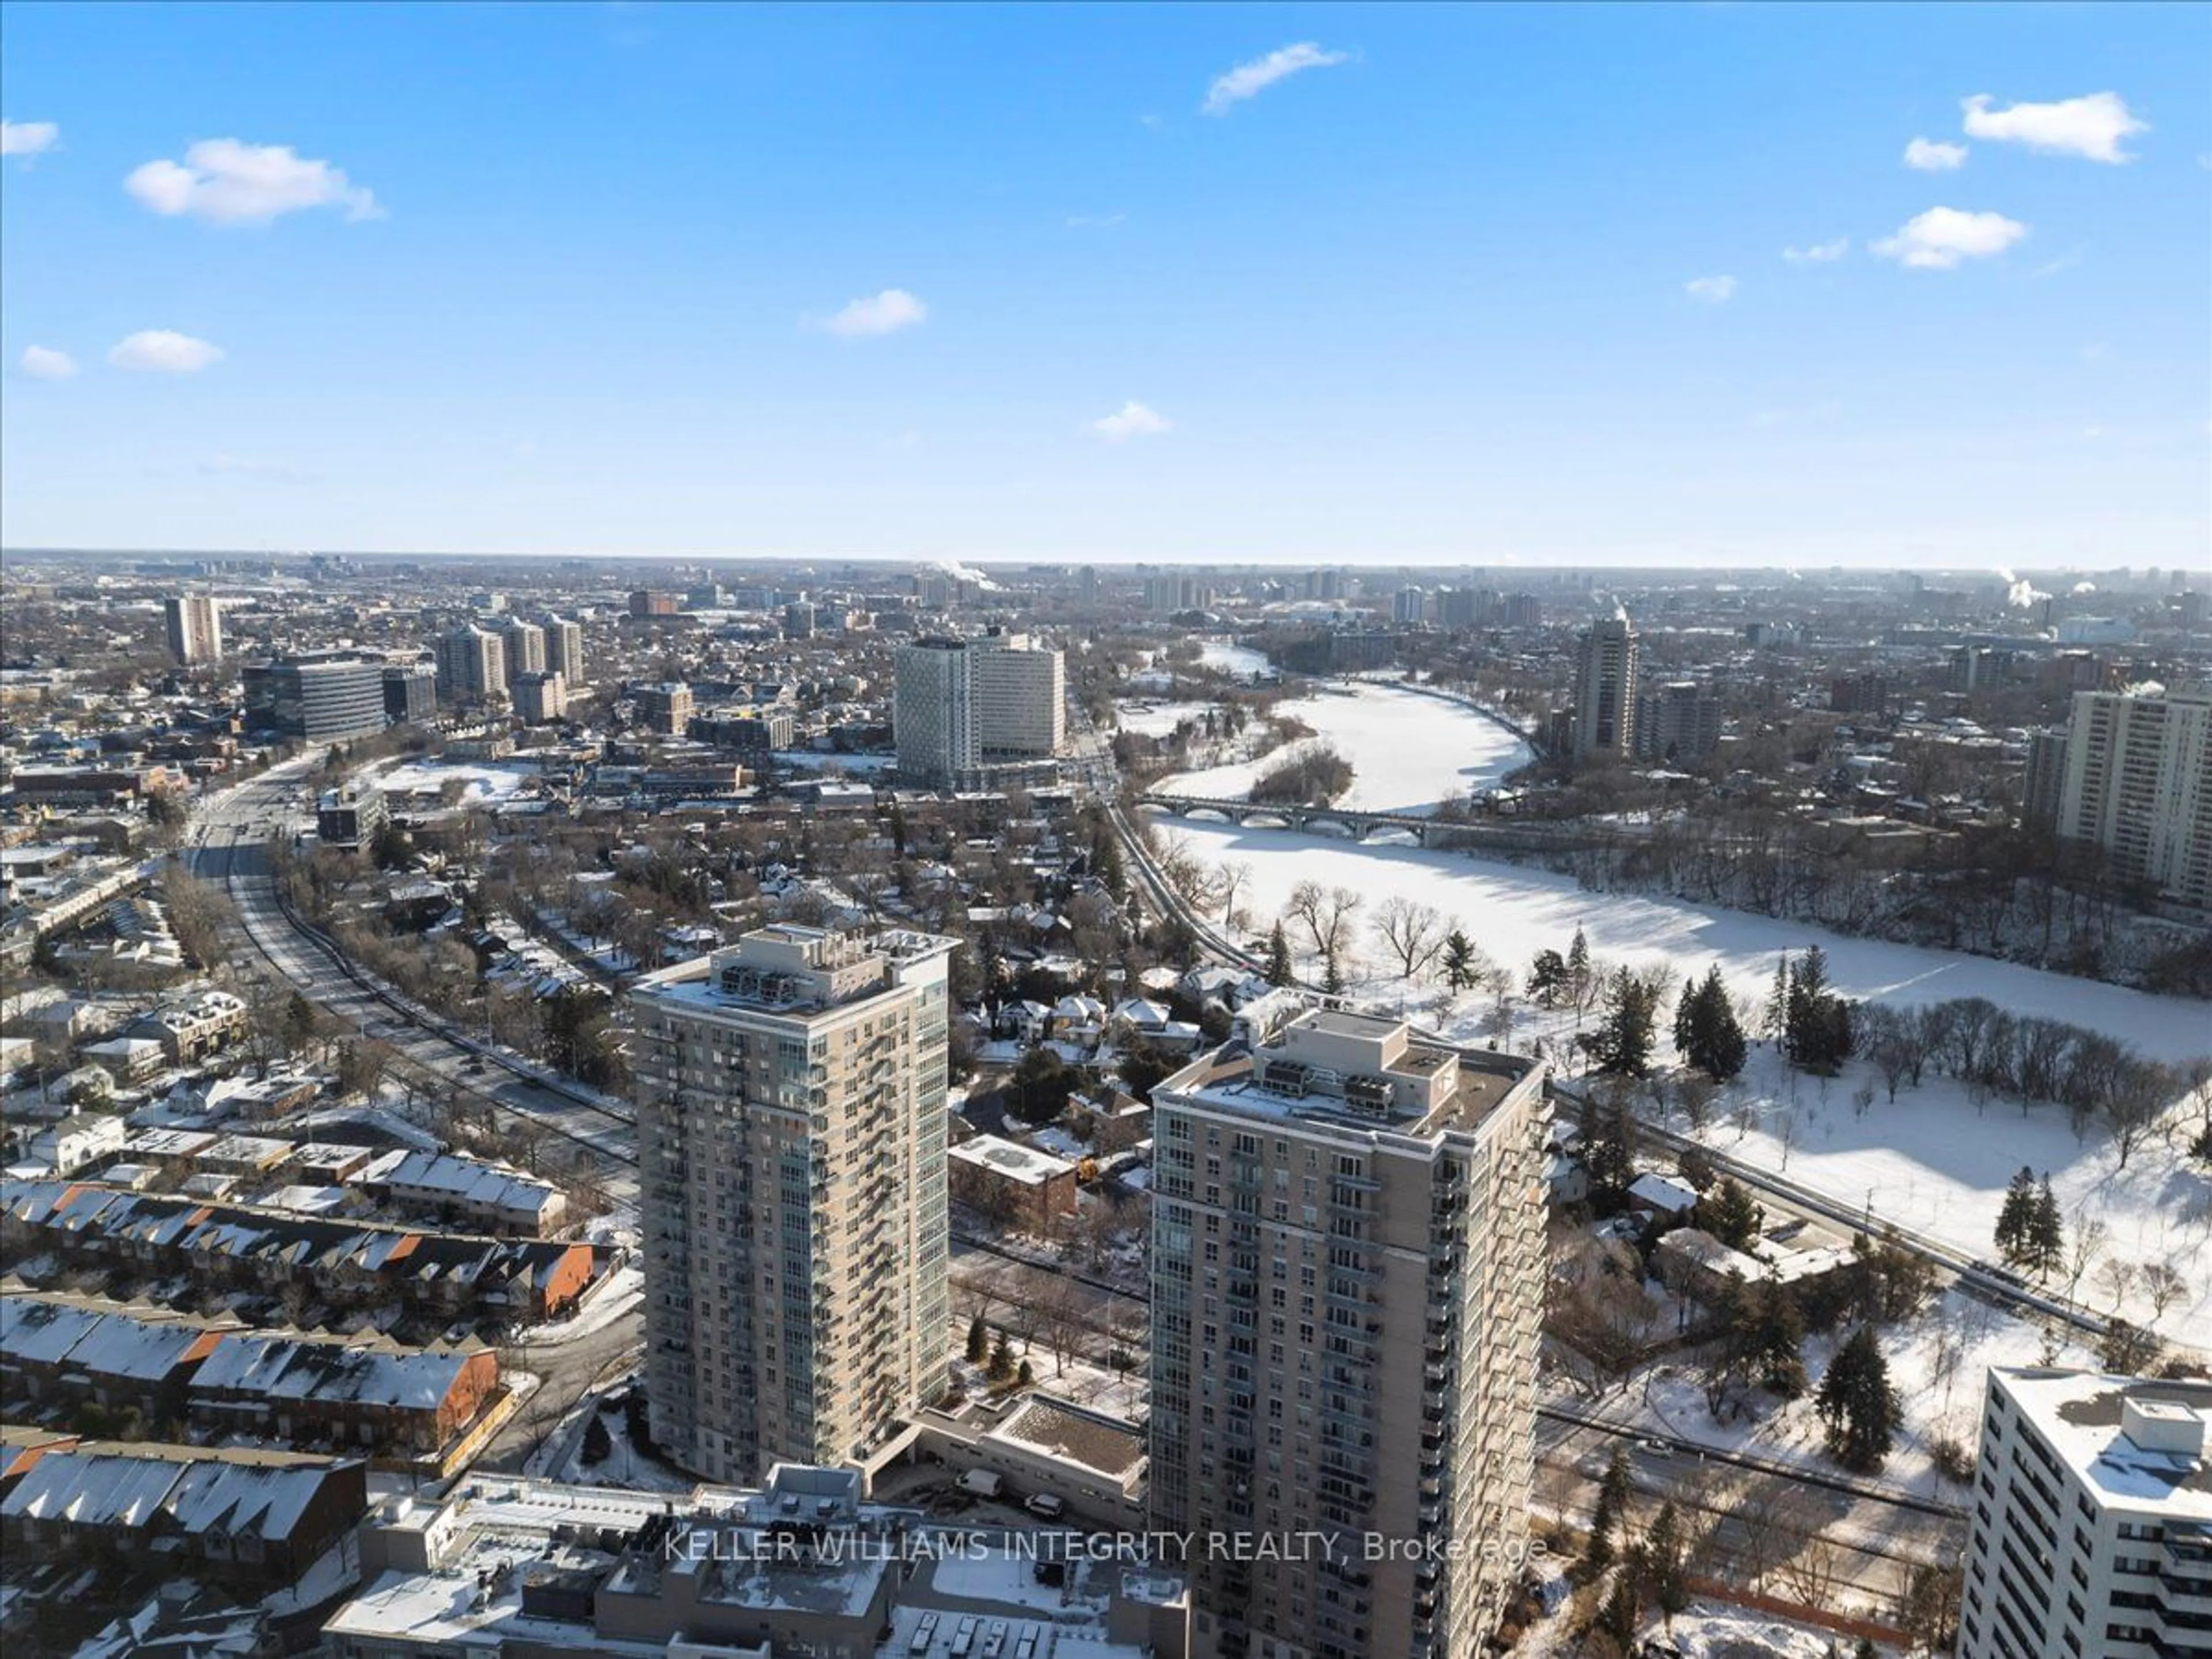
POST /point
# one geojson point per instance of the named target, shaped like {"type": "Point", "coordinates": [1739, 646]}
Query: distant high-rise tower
{"type": "Point", "coordinates": [564, 649]}
{"type": "Point", "coordinates": [471, 666]}
{"type": "Point", "coordinates": [1347, 1277]}
{"type": "Point", "coordinates": [1605, 691]}
{"type": "Point", "coordinates": [791, 1138]}
{"type": "Point", "coordinates": [958, 705]}
{"type": "Point", "coordinates": [195, 625]}
{"type": "Point", "coordinates": [525, 645]}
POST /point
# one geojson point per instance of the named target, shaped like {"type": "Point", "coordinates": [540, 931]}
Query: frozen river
{"type": "Point", "coordinates": [1409, 750]}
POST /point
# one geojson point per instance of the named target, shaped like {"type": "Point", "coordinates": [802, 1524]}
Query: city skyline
{"type": "Point", "coordinates": [1701, 285]}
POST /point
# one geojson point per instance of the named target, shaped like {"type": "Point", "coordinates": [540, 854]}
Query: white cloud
{"type": "Point", "coordinates": [1132, 420]}
{"type": "Point", "coordinates": [1250, 80]}
{"type": "Point", "coordinates": [2092, 126]}
{"type": "Point", "coordinates": [230, 183]}
{"type": "Point", "coordinates": [1932, 156]}
{"type": "Point", "coordinates": [1713, 290]}
{"type": "Point", "coordinates": [44, 363]}
{"type": "Point", "coordinates": [159, 351]}
{"type": "Point", "coordinates": [28, 138]}
{"type": "Point", "coordinates": [893, 309]}
{"type": "Point", "coordinates": [1818, 253]}
{"type": "Point", "coordinates": [1941, 238]}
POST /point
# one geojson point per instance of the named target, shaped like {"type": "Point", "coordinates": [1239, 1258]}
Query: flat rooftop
{"type": "Point", "coordinates": [2081, 1415]}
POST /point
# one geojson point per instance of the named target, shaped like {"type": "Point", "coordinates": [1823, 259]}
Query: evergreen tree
{"type": "Point", "coordinates": [1623, 1609]}
{"type": "Point", "coordinates": [1775, 1016]}
{"type": "Point", "coordinates": [1025, 1376]}
{"type": "Point", "coordinates": [979, 1341]}
{"type": "Point", "coordinates": [2046, 1238]}
{"type": "Point", "coordinates": [1621, 1045]}
{"type": "Point", "coordinates": [1730, 1215]}
{"type": "Point", "coordinates": [2016, 1218]}
{"type": "Point", "coordinates": [1332, 976]}
{"type": "Point", "coordinates": [1816, 1022]}
{"type": "Point", "coordinates": [1547, 978]}
{"type": "Point", "coordinates": [1612, 1156]}
{"type": "Point", "coordinates": [1001, 1367]}
{"type": "Point", "coordinates": [1459, 962]}
{"type": "Point", "coordinates": [1767, 1339]}
{"type": "Point", "coordinates": [1686, 1021]}
{"type": "Point", "coordinates": [1857, 1404]}
{"type": "Point", "coordinates": [1611, 1506]}
{"type": "Point", "coordinates": [1666, 1552]}
{"type": "Point", "coordinates": [1578, 968]}
{"type": "Point", "coordinates": [1716, 1045]}
{"type": "Point", "coordinates": [598, 1444]}
{"type": "Point", "coordinates": [1279, 957]}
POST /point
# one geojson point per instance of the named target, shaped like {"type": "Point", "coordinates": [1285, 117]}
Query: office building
{"type": "Point", "coordinates": [666, 708]}
{"type": "Point", "coordinates": [801, 1567]}
{"type": "Point", "coordinates": [410, 692]}
{"type": "Point", "coordinates": [349, 815]}
{"type": "Point", "coordinates": [1677, 723]}
{"type": "Point", "coordinates": [524, 644]}
{"type": "Point", "coordinates": [650, 602]}
{"type": "Point", "coordinates": [564, 649]}
{"type": "Point", "coordinates": [323, 698]}
{"type": "Point", "coordinates": [1605, 691]}
{"type": "Point", "coordinates": [960, 707]}
{"type": "Point", "coordinates": [2139, 786]}
{"type": "Point", "coordinates": [2092, 1529]}
{"type": "Point", "coordinates": [471, 666]}
{"type": "Point", "coordinates": [541, 698]}
{"type": "Point", "coordinates": [791, 1139]}
{"type": "Point", "coordinates": [1347, 1278]}
{"type": "Point", "coordinates": [798, 620]}
{"type": "Point", "coordinates": [195, 627]}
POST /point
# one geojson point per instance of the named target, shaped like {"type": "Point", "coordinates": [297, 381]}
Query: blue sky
{"type": "Point", "coordinates": [1485, 285]}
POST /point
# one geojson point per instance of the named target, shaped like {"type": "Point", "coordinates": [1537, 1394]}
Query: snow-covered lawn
{"type": "Point", "coordinates": [1158, 720]}
{"type": "Point", "coordinates": [1932, 1162]}
{"type": "Point", "coordinates": [1937, 1164]}
{"type": "Point", "coordinates": [1395, 769]}
{"type": "Point", "coordinates": [1242, 660]}
{"type": "Point", "coordinates": [1936, 1362]}
{"type": "Point", "coordinates": [481, 781]}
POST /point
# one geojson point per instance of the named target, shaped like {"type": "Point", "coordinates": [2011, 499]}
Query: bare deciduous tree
{"type": "Point", "coordinates": [1413, 932]}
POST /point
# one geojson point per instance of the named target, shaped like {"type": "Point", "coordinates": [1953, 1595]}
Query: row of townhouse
{"type": "Point", "coordinates": [257, 1519]}
{"type": "Point", "coordinates": [353, 1264]}
{"type": "Point", "coordinates": [238, 1382]}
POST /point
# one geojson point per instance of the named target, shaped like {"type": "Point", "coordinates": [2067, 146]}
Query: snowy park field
{"type": "Point", "coordinates": [1934, 1161]}
{"type": "Point", "coordinates": [482, 782]}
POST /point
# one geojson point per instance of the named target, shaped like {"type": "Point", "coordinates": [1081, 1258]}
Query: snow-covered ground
{"type": "Point", "coordinates": [1395, 768]}
{"type": "Point", "coordinates": [1240, 660]}
{"type": "Point", "coordinates": [1158, 720]}
{"type": "Point", "coordinates": [1936, 1362]}
{"type": "Point", "coordinates": [481, 781]}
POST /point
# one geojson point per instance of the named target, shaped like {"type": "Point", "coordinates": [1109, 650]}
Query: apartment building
{"type": "Point", "coordinates": [665, 707]}
{"type": "Point", "coordinates": [1347, 1278]}
{"type": "Point", "coordinates": [960, 706]}
{"type": "Point", "coordinates": [564, 649]}
{"type": "Point", "coordinates": [195, 627]}
{"type": "Point", "coordinates": [525, 645]}
{"type": "Point", "coordinates": [2092, 1530]}
{"type": "Point", "coordinates": [2138, 784]}
{"type": "Point", "coordinates": [1605, 689]}
{"type": "Point", "coordinates": [792, 1150]}
{"type": "Point", "coordinates": [471, 666]}
{"type": "Point", "coordinates": [540, 699]}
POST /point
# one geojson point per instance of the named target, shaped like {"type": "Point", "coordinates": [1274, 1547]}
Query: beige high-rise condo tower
{"type": "Point", "coordinates": [195, 627]}
{"type": "Point", "coordinates": [1347, 1280]}
{"type": "Point", "coordinates": [791, 1124]}
{"type": "Point", "coordinates": [1605, 689]}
